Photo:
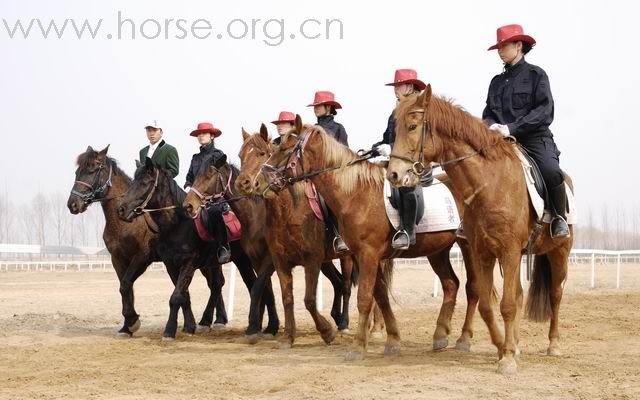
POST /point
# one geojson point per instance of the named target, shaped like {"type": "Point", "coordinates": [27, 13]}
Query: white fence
{"type": "Point", "coordinates": [577, 257]}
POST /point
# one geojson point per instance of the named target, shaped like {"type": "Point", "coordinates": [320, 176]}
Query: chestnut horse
{"type": "Point", "coordinates": [355, 194]}
{"type": "Point", "coordinates": [131, 246]}
{"type": "Point", "coordinates": [296, 237]}
{"type": "Point", "coordinates": [179, 242]}
{"type": "Point", "coordinates": [498, 217]}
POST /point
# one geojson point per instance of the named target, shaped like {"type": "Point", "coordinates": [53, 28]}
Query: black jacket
{"type": "Point", "coordinates": [389, 135]}
{"type": "Point", "coordinates": [197, 160]}
{"type": "Point", "coordinates": [334, 129]}
{"type": "Point", "coordinates": [520, 98]}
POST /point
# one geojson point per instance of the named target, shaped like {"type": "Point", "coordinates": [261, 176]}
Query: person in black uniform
{"type": "Point", "coordinates": [405, 82]}
{"type": "Point", "coordinates": [213, 220]}
{"type": "Point", "coordinates": [325, 106]}
{"type": "Point", "coordinates": [520, 104]}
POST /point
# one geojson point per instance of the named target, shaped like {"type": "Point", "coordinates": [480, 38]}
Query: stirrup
{"type": "Point", "coordinates": [227, 257]}
{"type": "Point", "coordinates": [339, 246]}
{"type": "Point", "coordinates": [460, 232]}
{"type": "Point", "coordinates": [399, 235]}
{"type": "Point", "coordinates": [558, 217]}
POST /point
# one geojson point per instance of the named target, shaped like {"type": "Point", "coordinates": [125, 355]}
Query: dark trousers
{"type": "Point", "coordinates": [215, 222]}
{"type": "Point", "coordinates": [546, 154]}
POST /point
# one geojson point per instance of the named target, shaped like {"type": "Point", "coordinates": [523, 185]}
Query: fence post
{"type": "Point", "coordinates": [593, 270]}
{"type": "Point", "coordinates": [319, 293]}
{"type": "Point", "coordinates": [232, 290]}
{"type": "Point", "coordinates": [618, 272]}
{"type": "Point", "coordinates": [435, 286]}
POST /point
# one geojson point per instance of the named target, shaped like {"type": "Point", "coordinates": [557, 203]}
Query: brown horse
{"type": "Point", "coordinates": [355, 194]}
{"type": "Point", "coordinates": [498, 217]}
{"type": "Point", "coordinates": [296, 237]}
{"type": "Point", "coordinates": [131, 246]}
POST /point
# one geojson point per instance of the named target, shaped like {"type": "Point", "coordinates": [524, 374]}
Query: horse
{"type": "Point", "coordinates": [131, 246]}
{"type": "Point", "coordinates": [178, 239]}
{"type": "Point", "coordinates": [295, 237]}
{"type": "Point", "coordinates": [498, 215]}
{"type": "Point", "coordinates": [354, 191]}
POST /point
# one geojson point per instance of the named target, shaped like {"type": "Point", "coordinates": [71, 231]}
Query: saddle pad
{"type": "Point", "coordinates": [538, 202]}
{"type": "Point", "coordinates": [440, 211]}
{"type": "Point", "coordinates": [312, 195]}
{"type": "Point", "coordinates": [234, 228]}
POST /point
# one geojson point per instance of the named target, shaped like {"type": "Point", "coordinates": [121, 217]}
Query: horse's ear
{"type": "Point", "coordinates": [245, 134]}
{"type": "Point", "coordinates": [220, 161]}
{"type": "Point", "coordinates": [103, 153]}
{"type": "Point", "coordinates": [149, 164]}
{"type": "Point", "coordinates": [90, 149]}
{"type": "Point", "coordinates": [299, 125]}
{"type": "Point", "coordinates": [264, 132]}
{"type": "Point", "coordinates": [138, 164]}
{"type": "Point", "coordinates": [425, 97]}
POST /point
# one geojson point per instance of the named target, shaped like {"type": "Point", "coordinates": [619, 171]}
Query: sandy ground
{"type": "Point", "coordinates": [57, 341]}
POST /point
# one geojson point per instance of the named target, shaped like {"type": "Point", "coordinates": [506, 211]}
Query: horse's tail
{"type": "Point", "coordinates": [538, 307]}
{"type": "Point", "coordinates": [386, 269]}
{"type": "Point", "coordinates": [355, 274]}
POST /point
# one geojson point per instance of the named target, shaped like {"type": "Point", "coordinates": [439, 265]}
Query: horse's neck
{"type": "Point", "coordinates": [119, 186]}
{"type": "Point", "coordinates": [476, 179]}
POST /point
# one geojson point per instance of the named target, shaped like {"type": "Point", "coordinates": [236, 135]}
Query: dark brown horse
{"type": "Point", "coordinates": [355, 194]}
{"type": "Point", "coordinates": [131, 246]}
{"type": "Point", "coordinates": [295, 237]}
{"type": "Point", "coordinates": [498, 217]}
{"type": "Point", "coordinates": [178, 241]}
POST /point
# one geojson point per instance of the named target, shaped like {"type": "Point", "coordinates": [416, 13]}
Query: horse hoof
{"type": "Point", "coordinates": [463, 346]}
{"type": "Point", "coordinates": [124, 335]}
{"type": "Point", "coordinates": [329, 336]}
{"type": "Point", "coordinates": [554, 352]}
{"type": "Point", "coordinates": [507, 366]}
{"type": "Point", "coordinates": [377, 335]}
{"type": "Point", "coordinates": [134, 328]}
{"type": "Point", "coordinates": [344, 331]}
{"type": "Point", "coordinates": [268, 336]}
{"type": "Point", "coordinates": [285, 345]}
{"type": "Point", "coordinates": [252, 339]}
{"type": "Point", "coordinates": [168, 339]}
{"type": "Point", "coordinates": [518, 352]}
{"type": "Point", "coordinates": [203, 328]}
{"type": "Point", "coordinates": [391, 350]}
{"type": "Point", "coordinates": [354, 356]}
{"type": "Point", "coordinates": [218, 327]}
{"type": "Point", "coordinates": [439, 344]}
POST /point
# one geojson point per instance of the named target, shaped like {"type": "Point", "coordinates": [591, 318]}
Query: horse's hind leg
{"type": "Point", "coordinates": [442, 267]}
{"type": "Point", "coordinates": [464, 341]}
{"type": "Point", "coordinates": [346, 264]}
{"type": "Point", "coordinates": [377, 321]}
{"type": "Point", "coordinates": [331, 272]}
{"type": "Point", "coordinates": [286, 286]}
{"type": "Point", "coordinates": [215, 281]}
{"type": "Point", "coordinates": [558, 259]}
{"type": "Point", "coordinates": [311, 275]}
{"type": "Point", "coordinates": [487, 297]}
{"type": "Point", "coordinates": [381, 293]}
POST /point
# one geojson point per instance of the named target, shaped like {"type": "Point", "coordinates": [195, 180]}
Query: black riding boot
{"type": "Point", "coordinates": [558, 198]}
{"type": "Point", "coordinates": [219, 228]}
{"type": "Point", "coordinates": [406, 236]}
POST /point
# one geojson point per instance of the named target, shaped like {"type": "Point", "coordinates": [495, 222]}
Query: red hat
{"type": "Point", "coordinates": [327, 98]}
{"type": "Point", "coordinates": [407, 76]}
{"type": "Point", "coordinates": [204, 127]}
{"type": "Point", "coordinates": [511, 33]}
{"type": "Point", "coordinates": [285, 116]}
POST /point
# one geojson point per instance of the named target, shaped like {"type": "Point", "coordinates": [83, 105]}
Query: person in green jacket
{"type": "Point", "coordinates": [164, 155]}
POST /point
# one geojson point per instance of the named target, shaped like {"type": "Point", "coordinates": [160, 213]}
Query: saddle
{"type": "Point", "coordinates": [231, 221]}
{"type": "Point", "coordinates": [536, 175]}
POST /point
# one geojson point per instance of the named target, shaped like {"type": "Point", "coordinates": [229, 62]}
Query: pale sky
{"type": "Point", "coordinates": [60, 95]}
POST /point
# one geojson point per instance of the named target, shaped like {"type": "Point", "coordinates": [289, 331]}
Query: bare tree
{"type": "Point", "coordinates": [60, 217]}
{"type": "Point", "coordinates": [41, 212]}
{"type": "Point", "coordinates": [606, 233]}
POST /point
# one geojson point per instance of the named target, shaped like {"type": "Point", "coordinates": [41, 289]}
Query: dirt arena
{"type": "Point", "coordinates": [57, 341]}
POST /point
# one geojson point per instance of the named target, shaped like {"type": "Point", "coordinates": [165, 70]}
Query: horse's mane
{"type": "Point", "coordinates": [336, 154]}
{"type": "Point", "coordinates": [454, 122]}
{"type": "Point", "coordinates": [86, 159]}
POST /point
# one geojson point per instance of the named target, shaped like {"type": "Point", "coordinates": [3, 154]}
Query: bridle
{"type": "Point", "coordinates": [95, 193]}
{"type": "Point", "coordinates": [209, 199]}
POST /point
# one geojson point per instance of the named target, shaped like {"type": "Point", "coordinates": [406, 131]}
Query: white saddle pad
{"type": "Point", "coordinates": [538, 202]}
{"type": "Point", "coordinates": [440, 211]}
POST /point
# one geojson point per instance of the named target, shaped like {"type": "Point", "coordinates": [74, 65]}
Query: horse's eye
{"type": "Point", "coordinates": [413, 127]}
{"type": "Point", "coordinates": [262, 154]}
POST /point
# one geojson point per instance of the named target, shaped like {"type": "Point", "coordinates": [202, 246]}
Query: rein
{"type": "Point", "coordinates": [141, 209]}
{"type": "Point", "coordinates": [208, 200]}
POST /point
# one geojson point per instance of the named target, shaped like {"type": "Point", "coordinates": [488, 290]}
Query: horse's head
{"type": "Point", "coordinates": [92, 181]}
{"type": "Point", "coordinates": [142, 192]}
{"type": "Point", "coordinates": [255, 151]}
{"type": "Point", "coordinates": [284, 163]}
{"type": "Point", "coordinates": [416, 146]}
{"type": "Point", "coordinates": [212, 183]}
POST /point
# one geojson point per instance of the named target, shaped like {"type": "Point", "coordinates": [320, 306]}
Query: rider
{"type": "Point", "coordinates": [205, 133]}
{"type": "Point", "coordinates": [325, 106]}
{"type": "Point", "coordinates": [164, 155]}
{"type": "Point", "coordinates": [285, 122]}
{"type": "Point", "coordinates": [405, 82]}
{"type": "Point", "coordinates": [520, 104]}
